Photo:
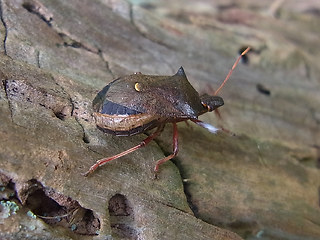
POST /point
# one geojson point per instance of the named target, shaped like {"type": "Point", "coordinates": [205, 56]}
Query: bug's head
{"type": "Point", "coordinates": [211, 102]}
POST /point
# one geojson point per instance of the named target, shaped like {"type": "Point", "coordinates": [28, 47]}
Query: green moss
{"type": "Point", "coordinates": [9, 208]}
{"type": "Point", "coordinates": [31, 214]}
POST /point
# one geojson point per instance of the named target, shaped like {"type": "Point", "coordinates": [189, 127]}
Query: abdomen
{"type": "Point", "coordinates": [125, 125]}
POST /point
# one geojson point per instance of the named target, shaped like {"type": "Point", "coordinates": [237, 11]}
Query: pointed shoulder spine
{"type": "Point", "coordinates": [181, 72]}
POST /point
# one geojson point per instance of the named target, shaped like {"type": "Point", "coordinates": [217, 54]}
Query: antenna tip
{"type": "Point", "coordinates": [245, 51]}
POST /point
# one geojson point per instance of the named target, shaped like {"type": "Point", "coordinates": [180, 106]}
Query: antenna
{"type": "Point", "coordinates": [231, 70]}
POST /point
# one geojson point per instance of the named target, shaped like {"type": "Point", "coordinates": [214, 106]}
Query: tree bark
{"type": "Point", "coordinates": [258, 180]}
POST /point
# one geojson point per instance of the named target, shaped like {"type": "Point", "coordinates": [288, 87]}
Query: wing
{"type": "Point", "coordinates": [166, 96]}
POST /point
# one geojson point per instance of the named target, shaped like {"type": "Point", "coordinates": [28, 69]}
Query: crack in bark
{"type": "Point", "coordinates": [72, 114]}
{"type": "Point", "coordinates": [68, 41]}
{"type": "Point", "coordinates": [131, 13]}
{"type": "Point", "coordinates": [84, 135]}
{"type": "Point", "coordinates": [187, 193]}
{"type": "Point", "coordinates": [38, 59]}
{"type": "Point", "coordinates": [67, 93]}
{"type": "Point", "coordinates": [171, 206]}
{"type": "Point", "coordinates": [100, 53]}
{"type": "Point", "coordinates": [39, 10]}
{"type": "Point", "coordinates": [36, 8]}
{"type": "Point", "coordinates": [4, 83]}
{"type": "Point", "coordinates": [5, 28]}
{"type": "Point", "coordinates": [145, 35]}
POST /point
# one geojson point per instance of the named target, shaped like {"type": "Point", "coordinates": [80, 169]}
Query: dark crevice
{"type": "Point", "coordinates": [46, 204]}
{"type": "Point", "coordinates": [85, 138]}
{"type": "Point", "coordinates": [187, 193]}
{"type": "Point", "coordinates": [154, 40]}
{"type": "Point", "coordinates": [171, 206]}
{"type": "Point", "coordinates": [72, 103]}
{"type": "Point", "coordinates": [21, 91]}
{"type": "Point", "coordinates": [5, 86]}
{"type": "Point", "coordinates": [5, 28]}
{"type": "Point", "coordinates": [131, 14]}
{"type": "Point", "coordinates": [119, 206]}
{"type": "Point", "coordinates": [64, 111]}
{"type": "Point", "coordinates": [122, 218]}
{"type": "Point", "coordinates": [186, 190]}
{"type": "Point", "coordinates": [96, 152]}
{"type": "Point", "coordinates": [58, 210]}
{"type": "Point", "coordinates": [157, 41]}
{"type": "Point", "coordinates": [70, 42]}
{"type": "Point", "coordinates": [38, 59]}
{"type": "Point", "coordinates": [263, 90]}
{"type": "Point", "coordinates": [62, 114]}
{"type": "Point", "coordinates": [100, 53]}
{"type": "Point", "coordinates": [37, 9]}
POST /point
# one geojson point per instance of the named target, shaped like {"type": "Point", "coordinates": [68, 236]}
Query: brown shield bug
{"type": "Point", "coordinates": [136, 103]}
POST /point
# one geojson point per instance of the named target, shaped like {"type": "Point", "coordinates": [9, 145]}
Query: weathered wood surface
{"type": "Point", "coordinates": [262, 183]}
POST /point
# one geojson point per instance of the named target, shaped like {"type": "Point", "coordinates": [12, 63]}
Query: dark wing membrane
{"type": "Point", "coordinates": [111, 108]}
{"type": "Point", "coordinates": [166, 96]}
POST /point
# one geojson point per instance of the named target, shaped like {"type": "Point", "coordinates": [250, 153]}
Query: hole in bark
{"type": "Point", "coordinates": [69, 42]}
{"type": "Point", "coordinates": [56, 209]}
{"type": "Point", "coordinates": [85, 139]}
{"type": "Point", "coordinates": [263, 90]}
{"type": "Point", "coordinates": [121, 217]}
{"type": "Point", "coordinates": [244, 58]}
{"type": "Point", "coordinates": [20, 91]}
{"type": "Point", "coordinates": [124, 231]}
{"type": "Point", "coordinates": [62, 113]}
{"type": "Point", "coordinates": [119, 206]}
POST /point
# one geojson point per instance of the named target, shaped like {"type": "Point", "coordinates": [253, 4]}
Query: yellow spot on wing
{"type": "Point", "coordinates": [137, 87]}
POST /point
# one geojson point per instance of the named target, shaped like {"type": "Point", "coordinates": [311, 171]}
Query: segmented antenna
{"type": "Point", "coordinates": [231, 70]}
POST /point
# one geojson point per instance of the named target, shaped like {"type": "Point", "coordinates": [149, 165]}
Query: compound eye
{"type": "Point", "coordinates": [211, 102]}
{"type": "Point", "coordinates": [206, 106]}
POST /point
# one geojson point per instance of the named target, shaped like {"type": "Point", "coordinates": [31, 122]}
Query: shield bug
{"type": "Point", "coordinates": [136, 103]}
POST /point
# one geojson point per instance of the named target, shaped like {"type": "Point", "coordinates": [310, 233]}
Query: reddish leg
{"type": "Point", "coordinates": [142, 144]}
{"type": "Point", "coordinates": [175, 148]}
